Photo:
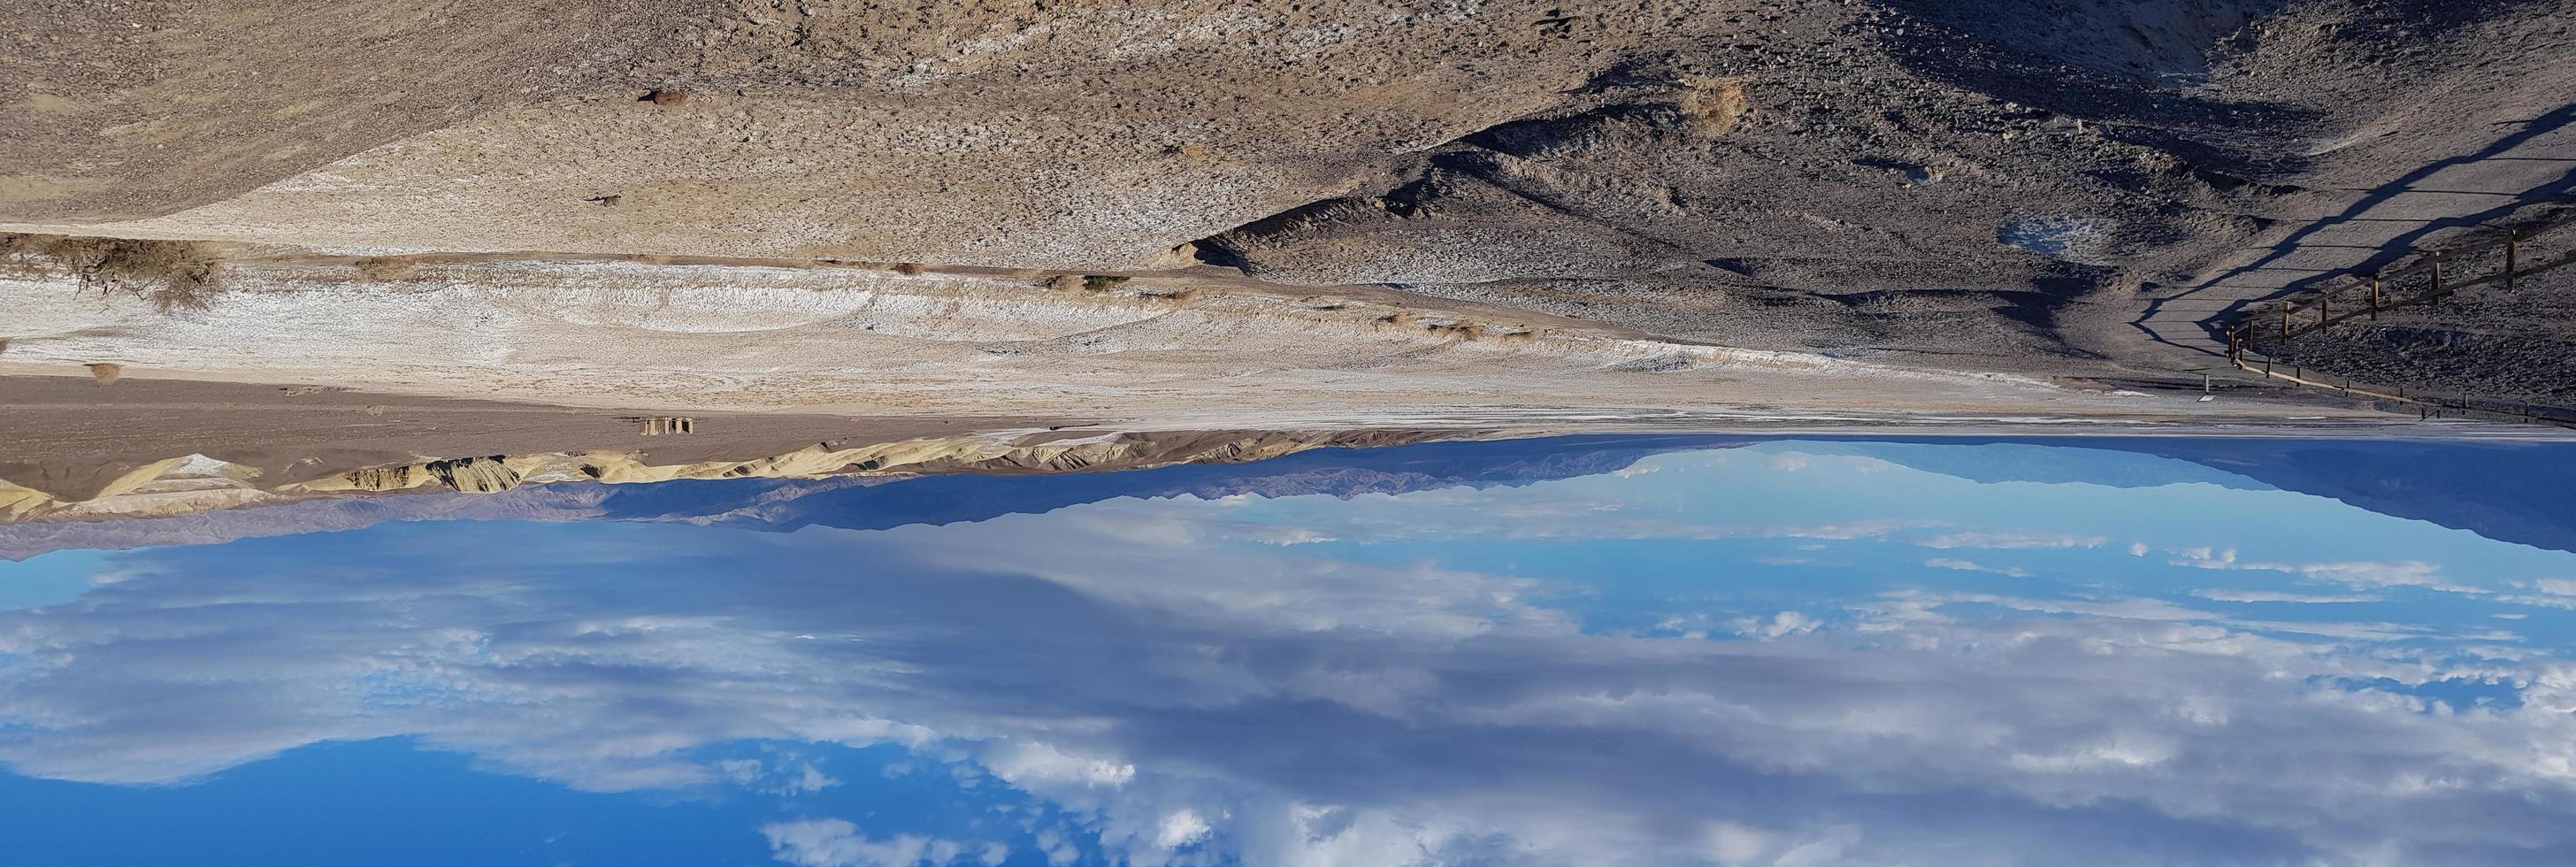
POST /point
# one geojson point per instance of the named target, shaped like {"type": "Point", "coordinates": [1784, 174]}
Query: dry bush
{"type": "Point", "coordinates": [173, 275]}
{"type": "Point", "coordinates": [106, 373]}
{"type": "Point", "coordinates": [1713, 106]}
{"type": "Point", "coordinates": [1459, 330]}
{"type": "Point", "coordinates": [387, 269]}
{"type": "Point", "coordinates": [1065, 282]}
{"type": "Point", "coordinates": [4, 344]}
{"type": "Point", "coordinates": [909, 269]}
{"type": "Point", "coordinates": [1896, 305]}
{"type": "Point", "coordinates": [1101, 282]}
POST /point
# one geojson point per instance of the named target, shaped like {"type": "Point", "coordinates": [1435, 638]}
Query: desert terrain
{"type": "Point", "coordinates": [260, 251]}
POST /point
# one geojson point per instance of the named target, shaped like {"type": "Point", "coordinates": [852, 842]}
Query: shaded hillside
{"type": "Point", "coordinates": [2504, 490]}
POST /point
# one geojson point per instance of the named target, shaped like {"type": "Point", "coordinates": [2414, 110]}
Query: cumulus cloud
{"type": "Point", "coordinates": [1974, 566]}
{"type": "Point", "coordinates": [2357, 574]}
{"type": "Point", "coordinates": [837, 843]}
{"type": "Point", "coordinates": [2012, 539]}
{"type": "Point", "coordinates": [1778, 625]}
{"type": "Point", "coordinates": [1180, 828]}
{"type": "Point", "coordinates": [794, 777]}
{"type": "Point", "coordinates": [2269, 596]}
{"type": "Point", "coordinates": [2552, 593]}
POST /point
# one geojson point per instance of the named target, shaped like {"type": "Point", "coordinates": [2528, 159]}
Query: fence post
{"type": "Point", "coordinates": [2512, 246]}
{"type": "Point", "coordinates": [2285, 320]}
{"type": "Point", "coordinates": [2374, 297]}
{"type": "Point", "coordinates": [2437, 276]}
{"type": "Point", "coordinates": [2325, 311]}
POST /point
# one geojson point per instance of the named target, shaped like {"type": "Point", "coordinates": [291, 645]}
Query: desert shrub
{"type": "Point", "coordinates": [173, 275]}
{"type": "Point", "coordinates": [908, 268]}
{"type": "Point", "coordinates": [1101, 282]}
{"type": "Point", "coordinates": [1713, 106]}
{"type": "Point", "coordinates": [386, 269]}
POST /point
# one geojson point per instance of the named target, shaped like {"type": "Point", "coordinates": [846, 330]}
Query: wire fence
{"type": "Point", "coordinates": [2425, 279]}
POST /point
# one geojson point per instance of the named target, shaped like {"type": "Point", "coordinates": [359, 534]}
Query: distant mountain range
{"type": "Point", "coordinates": [871, 502]}
{"type": "Point", "coordinates": [2509, 491]}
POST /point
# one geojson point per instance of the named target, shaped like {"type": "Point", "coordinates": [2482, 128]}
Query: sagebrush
{"type": "Point", "coordinates": [173, 275]}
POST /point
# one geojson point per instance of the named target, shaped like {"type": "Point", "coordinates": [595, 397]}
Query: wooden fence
{"type": "Point", "coordinates": [2420, 282]}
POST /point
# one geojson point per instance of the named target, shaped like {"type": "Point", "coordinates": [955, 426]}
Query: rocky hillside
{"type": "Point", "coordinates": [1978, 181]}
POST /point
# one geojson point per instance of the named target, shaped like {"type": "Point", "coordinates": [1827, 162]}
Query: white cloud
{"type": "Point", "coordinates": [793, 778]}
{"type": "Point", "coordinates": [1268, 535]}
{"type": "Point", "coordinates": [837, 843]}
{"type": "Point", "coordinates": [1781, 624]}
{"type": "Point", "coordinates": [2269, 596]}
{"type": "Point", "coordinates": [1181, 828]}
{"type": "Point", "coordinates": [1974, 566]}
{"type": "Point", "coordinates": [2011, 539]}
{"type": "Point", "coordinates": [2358, 574]}
{"type": "Point", "coordinates": [1027, 763]}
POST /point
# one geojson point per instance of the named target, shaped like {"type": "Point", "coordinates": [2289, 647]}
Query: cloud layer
{"type": "Point", "coordinates": [1188, 691]}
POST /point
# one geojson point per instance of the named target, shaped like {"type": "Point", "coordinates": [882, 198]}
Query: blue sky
{"type": "Point", "coordinates": [1785, 653]}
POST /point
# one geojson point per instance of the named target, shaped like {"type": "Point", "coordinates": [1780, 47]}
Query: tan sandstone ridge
{"type": "Point", "coordinates": [191, 484]}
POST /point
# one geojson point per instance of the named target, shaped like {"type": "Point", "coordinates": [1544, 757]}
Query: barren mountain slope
{"type": "Point", "coordinates": [1985, 183]}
